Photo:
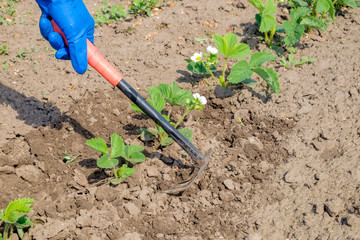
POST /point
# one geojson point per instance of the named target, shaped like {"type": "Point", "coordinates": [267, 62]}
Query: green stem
{"type": "Point", "coordinates": [169, 113]}
{"type": "Point", "coordinates": [313, 9]}
{"type": "Point", "coordinates": [272, 35]}
{"type": "Point", "coordinates": [224, 68]}
{"type": "Point", "coordinates": [208, 69]}
{"type": "Point", "coordinates": [115, 173]}
{"type": "Point", "coordinates": [182, 118]}
{"type": "Point", "coordinates": [7, 231]}
{"type": "Point", "coordinates": [267, 39]}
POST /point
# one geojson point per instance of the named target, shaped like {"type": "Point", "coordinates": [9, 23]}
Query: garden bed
{"type": "Point", "coordinates": [288, 170]}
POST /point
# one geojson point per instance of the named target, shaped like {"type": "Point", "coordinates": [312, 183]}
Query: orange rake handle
{"type": "Point", "coordinates": [96, 60]}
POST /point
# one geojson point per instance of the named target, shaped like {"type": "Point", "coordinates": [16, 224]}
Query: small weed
{"type": "Point", "coordinates": [3, 50]}
{"type": "Point", "coordinates": [109, 14]}
{"type": "Point", "coordinates": [7, 12]}
{"type": "Point", "coordinates": [143, 7]}
{"type": "Point", "coordinates": [68, 158]}
{"type": "Point", "coordinates": [292, 62]}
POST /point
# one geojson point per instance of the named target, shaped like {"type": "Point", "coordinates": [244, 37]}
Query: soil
{"type": "Point", "coordinates": [289, 170]}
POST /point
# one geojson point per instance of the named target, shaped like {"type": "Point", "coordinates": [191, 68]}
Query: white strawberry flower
{"type": "Point", "coordinates": [212, 50]}
{"type": "Point", "coordinates": [202, 99]}
{"type": "Point", "coordinates": [197, 57]}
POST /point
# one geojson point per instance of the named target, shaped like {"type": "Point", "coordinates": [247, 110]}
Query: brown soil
{"type": "Point", "coordinates": [290, 170]}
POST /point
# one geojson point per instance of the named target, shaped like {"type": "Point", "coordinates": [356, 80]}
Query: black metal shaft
{"type": "Point", "coordinates": [136, 98]}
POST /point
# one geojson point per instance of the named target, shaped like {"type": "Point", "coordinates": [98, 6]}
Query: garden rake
{"type": "Point", "coordinates": [102, 66]}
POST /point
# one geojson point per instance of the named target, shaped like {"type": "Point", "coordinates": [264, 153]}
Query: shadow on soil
{"type": "Point", "coordinates": [37, 113]}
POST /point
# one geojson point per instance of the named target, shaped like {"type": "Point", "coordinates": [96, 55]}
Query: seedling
{"type": "Point", "coordinates": [14, 216]}
{"type": "Point", "coordinates": [22, 55]}
{"type": "Point", "coordinates": [174, 96]}
{"type": "Point", "coordinates": [109, 14]}
{"type": "Point", "coordinates": [143, 7]}
{"type": "Point", "coordinates": [68, 158]}
{"type": "Point", "coordinates": [266, 19]}
{"type": "Point", "coordinates": [130, 153]}
{"type": "Point", "coordinates": [3, 50]}
{"type": "Point", "coordinates": [292, 62]}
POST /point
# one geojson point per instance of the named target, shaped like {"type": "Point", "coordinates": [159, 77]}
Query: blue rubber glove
{"type": "Point", "coordinates": [75, 21]}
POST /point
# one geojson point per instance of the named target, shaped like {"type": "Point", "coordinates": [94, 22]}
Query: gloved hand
{"type": "Point", "coordinates": [75, 21]}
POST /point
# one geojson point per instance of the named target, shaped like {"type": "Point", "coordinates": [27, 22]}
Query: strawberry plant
{"type": "Point", "coordinates": [299, 20]}
{"type": "Point", "coordinates": [109, 159]}
{"type": "Point", "coordinates": [266, 20]}
{"type": "Point", "coordinates": [207, 63]}
{"type": "Point", "coordinates": [174, 96]}
{"type": "Point", "coordinates": [241, 71]}
{"type": "Point", "coordinates": [14, 216]}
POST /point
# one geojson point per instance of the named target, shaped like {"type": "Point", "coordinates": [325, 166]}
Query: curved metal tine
{"type": "Point", "coordinates": [182, 186]}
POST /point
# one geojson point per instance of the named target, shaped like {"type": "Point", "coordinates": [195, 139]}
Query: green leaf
{"type": "Point", "coordinates": [121, 174]}
{"type": "Point", "coordinates": [268, 22]}
{"type": "Point", "coordinates": [137, 157]}
{"type": "Point", "coordinates": [300, 3]}
{"type": "Point", "coordinates": [68, 158]}
{"type": "Point", "coordinates": [156, 99]}
{"type": "Point", "coordinates": [270, 77]}
{"type": "Point", "coordinates": [16, 209]}
{"type": "Point", "coordinates": [133, 153]}
{"type": "Point", "coordinates": [166, 142]}
{"type": "Point", "coordinates": [98, 144]}
{"type": "Point", "coordinates": [196, 67]}
{"type": "Point", "coordinates": [270, 8]}
{"type": "Point", "coordinates": [186, 132]}
{"type": "Point", "coordinates": [221, 44]}
{"type": "Point", "coordinates": [134, 107]}
{"type": "Point", "coordinates": [117, 146]}
{"type": "Point", "coordinates": [313, 22]}
{"type": "Point", "coordinates": [173, 94]}
{"type": "Point", "coordinates": [239, 51]}
{"type": "Point", "coordinates": [20, 232]}
{"type": "Point", "coordinates": [229, 48]}
{"type": "Point", "coordinates": [23, 222]}
{"type": "Point", "coordinates": [322, 5]}
{"type": "Point", "coordinates": [257, 59]}
{"type": "Point", "coordinates": [250, 83]}
{"type": "Point", "coordinates": [293, 31]}
{"type": "Point", "coordinates": [116, 181]}
{"type": "Point", "coordinates": [125, 172]}
{"type": "Point", "coordinates": [258, 4]}
{"type": "Point", "coordinates": [298, 13]}
{"type": "Point", "coordinates": [258, 19]}
{"type": "Point", "coordinates": [239, 72]}
{"type": "Point", "coordinates": [231, 40]}
{"type": "Point", "coordinates": [350, 3]}
{"type": "Point", "coordinates": [326, 6]}
{"type": "Point", "coordinates": [331, 9]}
{"type": "Point", "coordinates": [106, 162]}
